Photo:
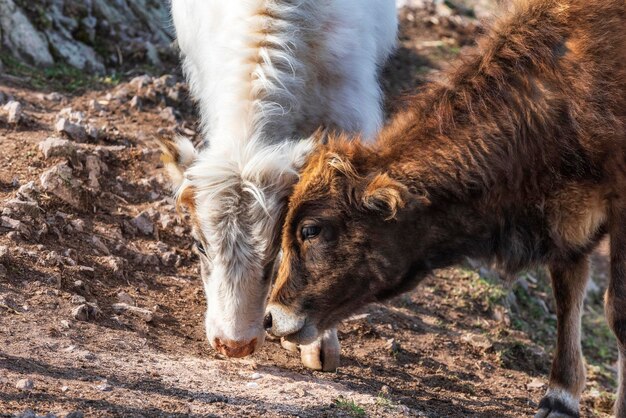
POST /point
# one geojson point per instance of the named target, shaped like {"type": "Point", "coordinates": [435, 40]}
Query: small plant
{"type": "Point", "coordinates": [350, 407]}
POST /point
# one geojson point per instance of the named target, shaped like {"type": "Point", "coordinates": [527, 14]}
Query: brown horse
{"type": "Point", "coordinates": [517, 157]}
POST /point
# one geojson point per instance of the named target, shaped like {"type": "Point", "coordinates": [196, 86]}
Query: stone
{"type": "Point", "coordinates": [116, 265]}
{"type": "Point", "coordinates": [14, 224]}
{"type": "Point", "coordinates": [75, 132]}
{"type": "Point", "coordinates": [75, 414]}
{"type": "Point", "coordinates": [53, 97]}
{"type": "Point", "coordinates": [140, 82]}
{"type": "Point", "coordinates": [135, 103]}
{"type": "Point", "coordinates": [95, 106]}
{"type": "Point", "coordinates": [21, 37]}
{"type": "Point", "coordinates": [86, 311]}
{"type": "Point", "coordinates": [144, 314]}
{"type": "Point", "coordinates": [78, 225]}
{"type": "Point", "coordinates": [59, 181]}
{"type": "Point", "coordinates": [78, 300]}
{"type": "Point", "coordinates": [14, 111]}
{"type": "Point", "coordinates": [170, 258]}
{"type": "Point", "coordinates": [143, 223]}
{"type": "Point", "coordinates": [125, 298]}
{"type": "Point", "coordinates": [95, 167]}
{"type": "Point", "coordinates": [4, 253]}
{"type": "Point", "coordinates": [57, 147]}
{"type": "Point", "coordinates": [29, 413]}
{"type": "Point", "coordinates": [26, 208]}
{"type": "Point", "coordinates": [28, 191]}
{"type": "Point", "coordinates": [392, 345]}
{"type": "Point", "coordinates": [535, 384]}
{"type": "Point", "coordinates": [100, 246]}
{"type": "Point", "coordinates": [104, 387]}
{"type": "Point", "coordinates": [25, 384]}
{"type": "Point", "coordinates": [168, 114]}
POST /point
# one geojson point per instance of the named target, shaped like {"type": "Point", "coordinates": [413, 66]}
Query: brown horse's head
{"type": "Point", "coordinates": [341, 246]}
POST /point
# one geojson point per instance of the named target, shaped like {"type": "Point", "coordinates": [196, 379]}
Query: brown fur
{"type": "Point", "coordinates": [517, 156]}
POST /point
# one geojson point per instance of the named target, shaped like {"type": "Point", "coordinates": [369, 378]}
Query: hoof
{"type": "Point", "coordinates": [289, 346]}
{"type": "Point", "coordinates": [553, 407]}
{"type": "Point", "coordinates": [323, 354]}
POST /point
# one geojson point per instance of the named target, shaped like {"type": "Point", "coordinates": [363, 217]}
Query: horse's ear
{"type": "Point", "coordinates": [177, 155]}
{"type": "Point", "coordinates": [387, 196]}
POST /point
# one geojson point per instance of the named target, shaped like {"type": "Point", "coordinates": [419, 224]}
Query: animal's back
{"type": "Point", "coordinates": [285, 68]}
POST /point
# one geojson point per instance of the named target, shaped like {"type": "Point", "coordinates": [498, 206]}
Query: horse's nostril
{"type": "Point", "coordinates": [267, 322]}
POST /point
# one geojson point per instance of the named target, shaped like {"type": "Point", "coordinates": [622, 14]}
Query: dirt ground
{"type": "Point", "coordinates": [101, 230]}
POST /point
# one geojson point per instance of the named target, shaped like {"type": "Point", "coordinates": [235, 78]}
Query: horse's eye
{"type": "Point", "coordinates": [310, 231]}
{"type": "Point", "coordinates": [200, 247]}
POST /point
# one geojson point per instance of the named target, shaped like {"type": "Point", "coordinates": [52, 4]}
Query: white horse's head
{"type": "Point", "coordinates": [237, 204]}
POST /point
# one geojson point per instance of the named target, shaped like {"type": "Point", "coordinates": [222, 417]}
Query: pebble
{"type": "Point", "coordinates": [14, 111]}
{"type": "Point", "coordinates": [28, 191]}
{"type": "Point", "coordinates": [141, 313]}
{"type": "Point", "coordinates": [78, 300]}
{"type": "Point", "coordinates": [56, 147]}
{"type": "Point", "coordinates": [75, 414]}
{"type": "Point", "coordinates": [143, 223]}
{"type": "Point", "coordinates": [86, 312]}
{"type": "Point", "coordinates": [95, 106]}
{"type": "Point", "coordinates": [124, 297]}
{"type": "Point", "coordinates": [100, 247]}
{"type": "Point", "coordinates": [168, 114]}
{"type": "Point", "coordinates": [535, 384]}
{"type": "Point", "coordinates": [4, 253]}
{"type": "Point", "coordinates": [53, 97]}
{"type": "Point", "coordinates": [25, 384]}
{"type": "Point", "coordinates": [104, 387]}
{"type": "Point", "coordinates": [255, 376]}
{"type": "Point", "coordinates": [392, 345]}
{"type": "Point", "coordinates": [75, 132]}
{"type": "Point", "coordinates": [135, 103]}
{"type": "Point", "coordinates": [59, 181]}
{"type": "Point", "coordinates": [252, 385]}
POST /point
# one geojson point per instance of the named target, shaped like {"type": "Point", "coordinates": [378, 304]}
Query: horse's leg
{"type": "Point", "coordinates": [567, 377]}
{"type": "Point", "coordinates": [615, 302]}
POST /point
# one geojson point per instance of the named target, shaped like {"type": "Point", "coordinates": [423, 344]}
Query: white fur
{"type": "Point", "coordinates": [266, 73]}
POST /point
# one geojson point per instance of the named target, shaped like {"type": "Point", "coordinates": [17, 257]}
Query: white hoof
{"type": "Point", "coordinates": [323, 354]}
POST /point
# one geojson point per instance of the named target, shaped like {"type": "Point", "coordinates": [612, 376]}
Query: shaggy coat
{"type": "Point", "coordinates": [265, 73]}
{"type": "Point", "coordinates": [518, 156]}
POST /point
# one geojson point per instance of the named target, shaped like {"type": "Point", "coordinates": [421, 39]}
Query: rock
{"type": "Point", "coordinates": [392, 345]}
{"type": "Point", "coordinates": [14, 224]}
{"type": "Point", "coordinates": [57, 147]}
{"type": "Point", "coordinates": [78, 300]}
{"type": "Point", "coordinates": [143, 223]}
{"type": "Point", "coordinates": [20, 37]}
{"type": "Point", "coordinates": [168, 114]}
{"type": "Point", "coordinates": [25, 384]}
{"type": "Point", "coordinates": [170, 258]}
{"type": "Point", "coordinates": [75, 132]}
{"type": "Point", "coordinates": [164, 81]}
{"type": "Point", "coordinates": [141, 313]}
{"type": "Point", "coordinates": [252, 385]}
{"type": "Point", "coordinates": [95, 106]}
{"type": "Point", "coordinates": [86, 311]}
{"type": "Point", "coordinates": [78, 225]}
{"type": "Point", "coordinates": [74, 414]}
{"type": "Point", "coordinates": [4, 253]}
{"type": "Point", "coordinates": [104, 387]}
{"type": "Point", "coordinates": [535, 384]}
{"type": "Point", "coordinates": [135, 103]}
{"type": "Point", "coordinates": [116, 265]}
{"type": "Point", "coordinates": [95, 167]}
{"type": "Point", "coordinates": [28, 191]}
{"type": "Point", "coordinates": [255, 376]}
{"type": "Point", "coordinates": [26, 208]}
{"type": "Point", "coordinates": [14, 111]}
{"type": "Point", "coordinates": [167, 221]}
{"type": "Point", "coordinates": [100, 247]}
{"type": "Point", "coordinates": [477, 341]}
{"type": "Point", "coordinates": [29, 413]}
{"type": "Point", "coordinates": [140, 82]}
{"type": "Point", "coordinates": [53, 97]}
{"type": "Point", "coordinates": [153, 55]}
{"type": "Point", "coordinates": [125, 298]}
{"type": "Point", "coordinates": [59, 181]}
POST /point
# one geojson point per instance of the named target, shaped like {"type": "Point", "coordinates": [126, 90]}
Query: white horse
{"type": "Point", "coordinates": [266, 73]}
